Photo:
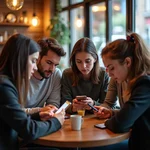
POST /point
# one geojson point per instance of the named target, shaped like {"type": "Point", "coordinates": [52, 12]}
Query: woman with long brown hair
{"type": "Point", "coordinates": [85, 77]}
{"type": "Point", "coordinates": [17, 64]}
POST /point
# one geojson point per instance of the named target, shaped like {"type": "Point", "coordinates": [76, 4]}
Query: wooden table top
{"type": "Point", "coordinates": [88, 136]}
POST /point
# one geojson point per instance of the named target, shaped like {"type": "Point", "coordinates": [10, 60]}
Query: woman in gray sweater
{"type": "Point", "coordinates": [85, 77]}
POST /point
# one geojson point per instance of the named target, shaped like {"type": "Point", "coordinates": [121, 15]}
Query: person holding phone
{"type": "Point", "coordinates": [85, 82]}
{"type": "Point", "coordinates": [17, 65]}
{"type": "Point", "coordinates": [44, 86]}
{"type": "Point", "coordinates": [129, 60]}
{"type": "Point", "coordinates": [115, 92]}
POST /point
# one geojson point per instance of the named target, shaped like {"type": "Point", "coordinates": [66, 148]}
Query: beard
{"type": "Point", "coordinates": [43, 73]}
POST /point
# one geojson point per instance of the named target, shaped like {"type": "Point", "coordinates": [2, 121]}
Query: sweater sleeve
{"type": "Point", "coordinates": [111, 96]}
{"type": "Point", "coordinates": [55, 96]}
{"type": "Point", "coordinates": [31, 111]}
{"type": "Point", "coordinates": [12, 114]}
{"type": "Point", "coordinates": [104, 79]}
{"type": "Point", "coordinates": [66, 91]}
{"type": "Point", "coordinates": [132, 109]}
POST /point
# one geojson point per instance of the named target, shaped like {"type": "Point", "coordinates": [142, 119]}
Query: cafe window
{"type": "Point", "coordinates": [142, 20]}
{"type": "Point", "coordinates": [64, 62]}
{"type": "Point", "coordinates": [77, 24]}
{"type": "Point", "coordinates": [118, 19]}
{"type": "Point", "coordinates": [98, 26]}
{"type": "Point", "coordinates": [64, 3]}
{"type": "Point", "coordinates": [104, 21]}
{"type": "Point", "coordinates": [76, 1]}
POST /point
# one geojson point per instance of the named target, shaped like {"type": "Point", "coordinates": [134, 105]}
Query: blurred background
{"type": "Point", "coordinates": [70, 20]}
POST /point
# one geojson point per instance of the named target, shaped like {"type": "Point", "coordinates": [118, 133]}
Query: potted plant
{"type": "Point", "coordinates": [58, 29]}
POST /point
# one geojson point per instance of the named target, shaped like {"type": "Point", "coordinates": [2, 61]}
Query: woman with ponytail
{"type": "Point", "coordinates": [128, 60]}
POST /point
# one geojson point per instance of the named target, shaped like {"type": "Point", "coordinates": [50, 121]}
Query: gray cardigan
{"type": "Point", "coordinates": [114, 93]}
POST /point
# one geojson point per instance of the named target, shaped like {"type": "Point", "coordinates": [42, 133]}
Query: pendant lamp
{"type": "Point", "coordinates": [79, 22]}
{"type": "Point", "coordinates": [14, 4]}
{"type": "Point", "coordinates": [35, 19]}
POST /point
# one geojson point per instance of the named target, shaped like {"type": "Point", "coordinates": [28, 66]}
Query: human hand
{"type": "Point", "coordinates": [49, 108]}
{"type": "Point", "coordinates": [60, 116]}
{"type": "Point", "coordinates": [84, 103]}
{"type": "Point", "coordinates": [103, 112]}
{"type": "Point", "coordinates": [45, 115]}
{"type": "Point", "coordinates": [90, 101]}
{"type": "Point", "coordinates": [47, 112]}
{"type": "Point", "coordinates": [78, 105]}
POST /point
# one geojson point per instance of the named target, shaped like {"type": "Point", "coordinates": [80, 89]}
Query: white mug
{"type": "Point", "coordinates": [76, 122]}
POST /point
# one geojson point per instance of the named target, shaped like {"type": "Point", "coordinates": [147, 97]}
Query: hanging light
{"type": "Point", "coordinates": [79, 22]}
{"type": "Point", "coordinates": [35, 20]}
{"type": "Point", "coordinates": [14, 4]}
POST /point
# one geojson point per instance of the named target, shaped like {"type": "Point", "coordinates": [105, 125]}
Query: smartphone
{"type": "Point", "coordinates": [95, 109]}
{"type": "Point", "coordinates": [81, 97]}
{"type": "Point", "coordinates": [100, 126]}
{"type": "Point", "coordinates": [64, 106]}
{"type": "Point", "coordinates": [67, 117]}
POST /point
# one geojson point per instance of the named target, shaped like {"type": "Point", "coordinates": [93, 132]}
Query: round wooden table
{"type": "Point", "coordinates": [88, 136]}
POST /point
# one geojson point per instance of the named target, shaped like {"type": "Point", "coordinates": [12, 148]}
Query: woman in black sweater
{"type": "Point", "coordinates": [17, 64]}
{"type": "Point", "coordinates": [129, 60]}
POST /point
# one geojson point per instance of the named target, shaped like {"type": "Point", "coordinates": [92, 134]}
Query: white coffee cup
{"type": "Point", "coordinates": [76, 122]}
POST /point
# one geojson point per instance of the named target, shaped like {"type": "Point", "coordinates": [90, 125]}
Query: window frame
{"type": "Point", "coordinates": [130, 19]}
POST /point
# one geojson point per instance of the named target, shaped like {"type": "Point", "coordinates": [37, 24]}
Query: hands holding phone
{"type": "Point", "coordinates": [103, 112]}
{"type": "Point", "coordinates": [60, 116]}
{"type": "Point", "coordinates": [84, 100]}
{"type": "Point", "coordinates": [81, 102]}
{"type": "Point", "coordinates": [47, 112]}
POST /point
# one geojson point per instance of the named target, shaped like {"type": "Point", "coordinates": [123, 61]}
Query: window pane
{"type": "Point", "coordinates": [143, 20]}
{"type": "Point", "coordinates": [64, 3]}
{"type": "Point", "coordinates": [118, 19]}
{"type": "Point", "coordinates": [76, 1]}
{"type": "Point", "coordinates": [64, 60]}
{"type": "Point", "coordinates": [77, 30]}
{"type": "Point", "coordinates": [98, 24]}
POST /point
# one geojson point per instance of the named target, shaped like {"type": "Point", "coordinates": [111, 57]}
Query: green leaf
{"type": "Point", "coordinates": [58, 29]}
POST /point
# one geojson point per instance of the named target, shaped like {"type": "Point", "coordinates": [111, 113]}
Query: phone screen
{"type": "Point", "coordinates": [100, 126]}
{"type": "Point", "coordinates": [64, 106]}
{"type": "Point", "coordinates": [82, 97]}
{"type": "Point", "coordinates": [95, 109]}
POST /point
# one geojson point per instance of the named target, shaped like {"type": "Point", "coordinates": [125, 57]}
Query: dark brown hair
{"type": "Point", "coordinates": [14, 61]}
{"type": "Point", "coordinates": [85, 45]}
{"type": "Point", "coordinates": [133, 47]}
{"type": "Point", "coordinates": [52, 44]}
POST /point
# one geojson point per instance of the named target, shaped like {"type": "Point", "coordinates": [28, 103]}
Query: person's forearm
{"type": "Point", "coordinates": [31, 111]}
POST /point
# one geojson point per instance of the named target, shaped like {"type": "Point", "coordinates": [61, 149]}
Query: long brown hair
{"type": "Point", "coordinates": [85, 45]}
{"type": "Point", "coordinates": [133, 47]}
{"type": "Point", "coordinates": [14, 62]}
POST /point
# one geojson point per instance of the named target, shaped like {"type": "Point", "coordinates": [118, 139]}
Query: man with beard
{"type": "Point", "coordinates": [45, 86]}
